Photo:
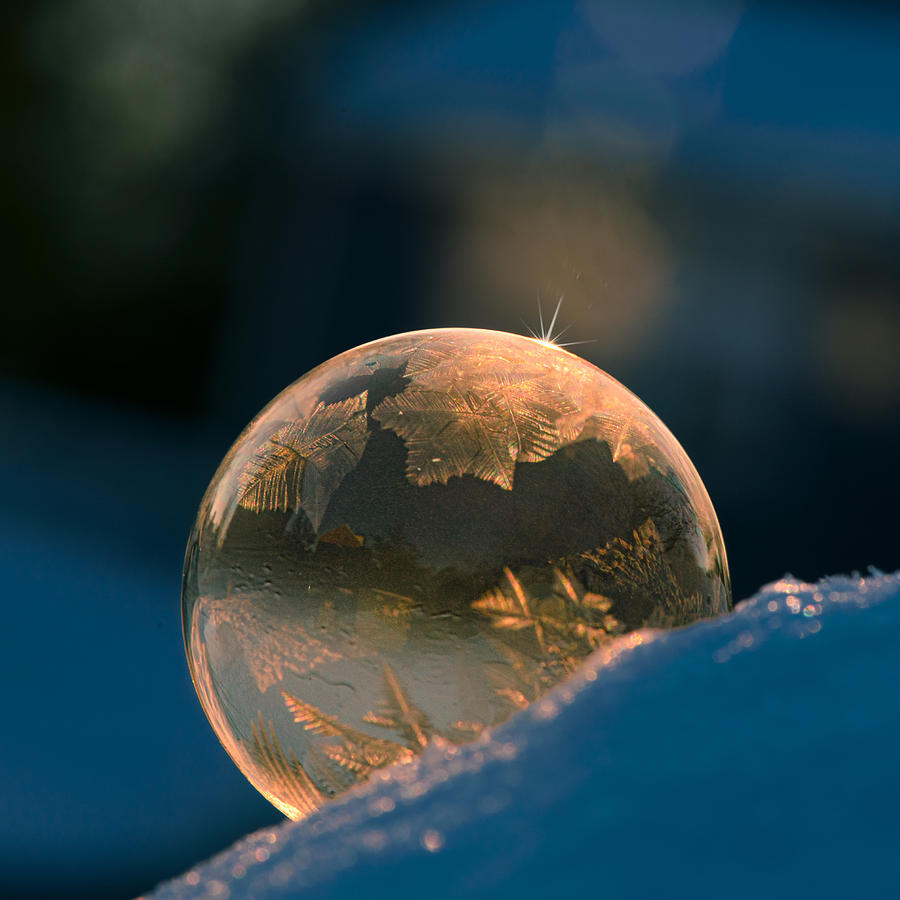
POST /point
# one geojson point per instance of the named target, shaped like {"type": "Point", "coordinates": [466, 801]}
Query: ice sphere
{"type": "Point", "coordinates": [423, 535]}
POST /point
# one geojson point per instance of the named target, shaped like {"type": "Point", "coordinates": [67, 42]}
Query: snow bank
{"type": "Point", "coordinates": [753, 755]}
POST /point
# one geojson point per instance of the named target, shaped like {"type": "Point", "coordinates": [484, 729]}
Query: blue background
{"type": "Point", "coordinates": [204, 201]}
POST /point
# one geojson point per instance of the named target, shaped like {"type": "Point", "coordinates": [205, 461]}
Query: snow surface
{"type": "Point", "coordinates": [755, 755]}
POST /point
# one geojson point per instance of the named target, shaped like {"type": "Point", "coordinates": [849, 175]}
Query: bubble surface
{"type": "Point", "coordinates": [422, 536]}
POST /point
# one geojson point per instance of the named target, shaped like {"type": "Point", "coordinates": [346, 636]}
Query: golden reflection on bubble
{"type": "Point", "coordinates": [423, 536]}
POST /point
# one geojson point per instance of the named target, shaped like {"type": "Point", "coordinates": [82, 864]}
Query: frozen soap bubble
{"type": "Point", "coordinates": [422, 536]}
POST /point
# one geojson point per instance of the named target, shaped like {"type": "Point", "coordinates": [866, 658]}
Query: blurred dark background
{"type": "Point", "coordinates": [205, 198]}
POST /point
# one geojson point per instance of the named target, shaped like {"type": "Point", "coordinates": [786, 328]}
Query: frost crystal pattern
{"type": "Point", "coordinates": [422, 536]}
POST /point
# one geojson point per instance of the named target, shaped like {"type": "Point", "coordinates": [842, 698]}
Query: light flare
{"type": "Point", "coordinates": [546, 335]}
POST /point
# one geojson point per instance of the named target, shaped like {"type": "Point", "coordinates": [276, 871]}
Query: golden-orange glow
{"type": "Point", "coordinates": [424, 536]}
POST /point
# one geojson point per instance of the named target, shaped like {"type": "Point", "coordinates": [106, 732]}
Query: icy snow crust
{"type": "Point", "coordinates": [756, 755]}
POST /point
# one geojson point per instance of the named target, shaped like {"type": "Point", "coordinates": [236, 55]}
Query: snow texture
{"type": "Point", "coordinates": [755, 755]}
